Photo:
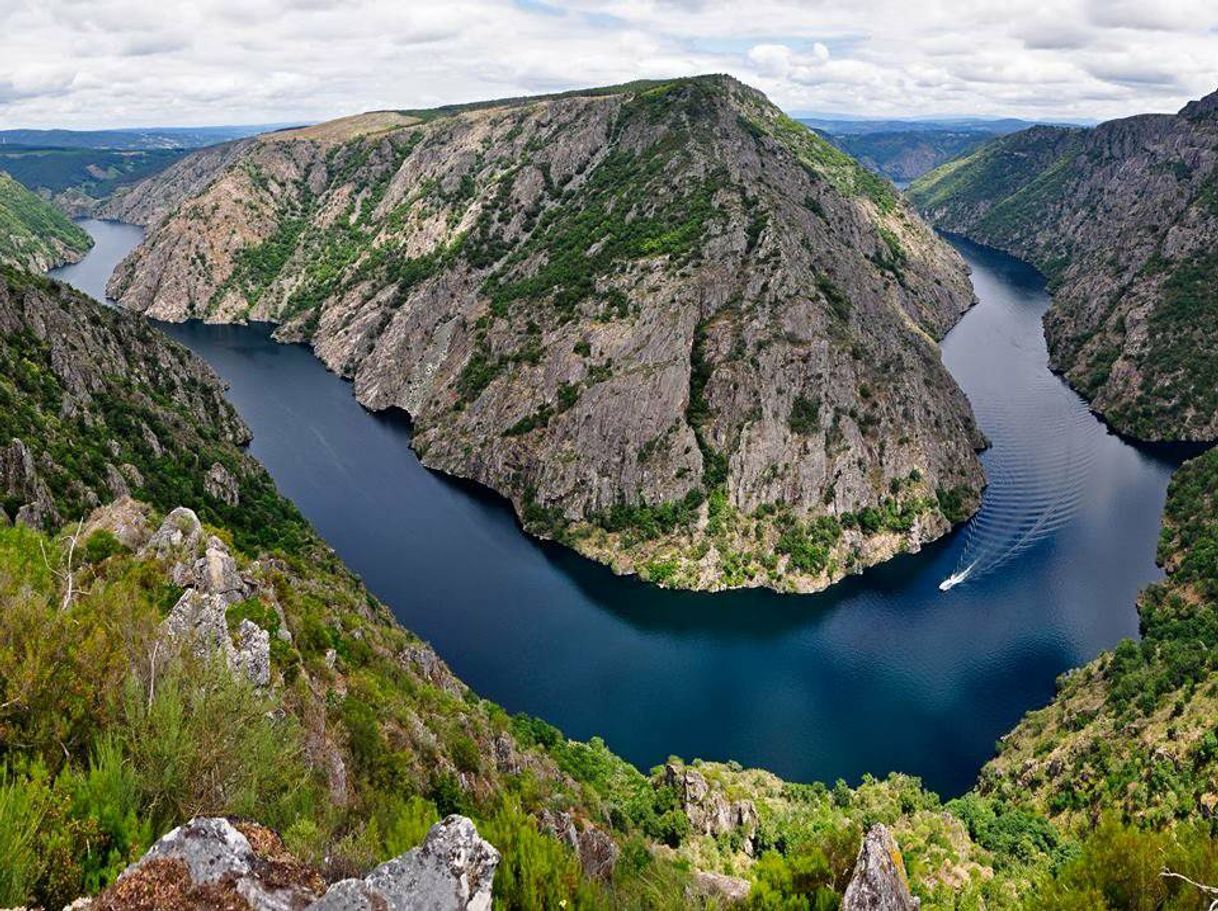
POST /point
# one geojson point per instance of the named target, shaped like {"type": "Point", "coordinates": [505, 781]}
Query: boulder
{"type": "Point", "coordinates": [879, 882]}
{"type": "Point", "coordinates": [219, 863]}
{"type": "Point", "coordinates": [214, 863]}
{"type": "Point", "coordinates": [452, 870]}
{"type": "Point", "coordinates": [717, 888]}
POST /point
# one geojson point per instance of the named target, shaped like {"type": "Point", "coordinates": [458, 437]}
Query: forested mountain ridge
{"type": "Point", "coordinates": [1122, 219]}
{"type": "Point", "coordinates": [34, 235]}
{"type": "Point", "coordinates": [685, 335]}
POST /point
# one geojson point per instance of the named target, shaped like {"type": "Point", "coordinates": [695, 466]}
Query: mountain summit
{"type": "Point", "coordinates": [684, 334]}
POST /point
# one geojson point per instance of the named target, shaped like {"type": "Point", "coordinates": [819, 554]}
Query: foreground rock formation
{"type": "Point", "coordinates": [1123, 219]}
{"type": "Point", "coordinates": [685, 335]}
{"type": "Point", "coordinates": [879, 882]}
{"type": "Point", "coordinates": [211, 863]}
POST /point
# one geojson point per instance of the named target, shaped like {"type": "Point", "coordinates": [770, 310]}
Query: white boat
{"type": "Point", "coordinates": [955, 578]}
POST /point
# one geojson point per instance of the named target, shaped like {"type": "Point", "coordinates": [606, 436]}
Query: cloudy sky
{"type": "Point", "coordinates": [99, 63]}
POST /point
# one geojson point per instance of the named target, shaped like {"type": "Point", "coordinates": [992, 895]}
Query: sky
{"type": "Point", "coordinates": [109, 63]}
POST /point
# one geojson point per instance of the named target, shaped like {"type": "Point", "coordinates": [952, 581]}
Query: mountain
{"type": "Point", "coordinates": [682, 333]}
{"type": "Point", "coordinates": [33, 233]}
{"type": "Point", "coordinates": [1122, 218]}
{"type": "Point", "coordinates": [77, 178]}
{"type": "Point", "coordinates": [134, 138]}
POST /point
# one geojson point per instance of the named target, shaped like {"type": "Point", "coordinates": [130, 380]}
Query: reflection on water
{"type": "Point", "coordinates": [882, 672]}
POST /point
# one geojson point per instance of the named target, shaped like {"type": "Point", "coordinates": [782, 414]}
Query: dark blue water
{"type": "Point", "coordinates": [883, 672]}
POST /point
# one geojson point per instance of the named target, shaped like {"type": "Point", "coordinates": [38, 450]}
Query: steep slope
{"type": "Point", "coordinates": [682, 333]}
{"type": "Point", "coordinates": [1123, 219]}
{"type": "Point", "coordinates": [34, 235]}
{"type": "Point", "coordinates": [96, 404]}
{"type": "Point", "coordinates": [1133, 731]}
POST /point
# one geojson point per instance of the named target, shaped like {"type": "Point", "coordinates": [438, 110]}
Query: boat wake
{"type": "Point", "coordinates": [1031, 493]}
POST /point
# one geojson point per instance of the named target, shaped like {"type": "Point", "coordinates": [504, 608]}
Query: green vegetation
{"type": "Point", "coordinates": [154, 406]}
{"type": "Point", "coordinates": [93, 173]}
{"type": "Point", "coordinates": [33, 233]}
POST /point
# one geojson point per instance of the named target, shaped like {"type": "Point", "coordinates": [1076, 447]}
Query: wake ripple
{"type": "Point", "coordinates": [1034, 490]}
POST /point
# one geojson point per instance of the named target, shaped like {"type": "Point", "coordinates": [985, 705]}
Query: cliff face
{"type": "Point", "coordinates": [96, 404]}
{"type": "Point", "coordinates": [34, 235]}
{"type": "Point", "coordinates": [1123, 219]}
{"type": "Point", "coordinates": [682, 333]}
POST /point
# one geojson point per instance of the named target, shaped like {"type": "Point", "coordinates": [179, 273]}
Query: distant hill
{"type": "Point", "coordinates": [76, 178]}
{"type": "Point", "coordinates": [904, 150]}
{"type": "Point", "coordinates": [135, 138]}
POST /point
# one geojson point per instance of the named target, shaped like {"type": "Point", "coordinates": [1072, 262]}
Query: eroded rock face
{"type": "Point", "coordinates": [21, 483]}
{"type": "Point", "coordinates": [89, 375]}
{"type": "Point", "coordinates": [220, 483]}
{"type": "Point", "coordinates": [682, 334]}
{"type": "Point", "coordinates": [879, 882]}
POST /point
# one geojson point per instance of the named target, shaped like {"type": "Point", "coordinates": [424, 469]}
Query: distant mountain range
{"type": "Point", "coordinates": [135, 138]}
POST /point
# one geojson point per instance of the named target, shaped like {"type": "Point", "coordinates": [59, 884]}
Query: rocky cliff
{"type": "Point", "coordinates": [34, 235]}
{"type": "Point", "coordinates": [685, 335]}
{"type": "Point", "coordinates": [96, 404]}
{"type": "Point", "coordinates": [1123, 220]}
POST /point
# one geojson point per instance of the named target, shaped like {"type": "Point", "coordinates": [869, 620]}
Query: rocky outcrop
{"type": "Point", "coordinates": [1123, 220]}
{"type": "Point", "coordinates": [217, 863]}
{"type": "Point", "coordinates": [597, 851]}
{"type": "Point", "coordinates": [708, 811]}
{"type": "Point", "coordinates": [453, 870]}
{"type": "Point", "coordinates": [717, 889]}
{"type": "Point", "coordinates": [879, 882]}
{"type": "Point", "coordinates": [220, 483]}
{"type": "Point", "coordinates": [683, 334]}
{"type": "Point", "coordinates": [213, 583]}
{"type": "Point", "coordinates": [22, 487]}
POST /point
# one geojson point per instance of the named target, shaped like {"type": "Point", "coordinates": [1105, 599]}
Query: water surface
{"type": "Point", "coordinates": [883, 672]}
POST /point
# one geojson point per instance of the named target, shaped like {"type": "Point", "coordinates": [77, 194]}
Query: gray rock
{"type": "Point", "coordinates": [879, 882]}
{"type": "Point", "coordinates": [452, 870]}
{"type": "Point", "coordinates": [178, 535]}
{"type": "Point", "coordinates": [717, 887]}
{"type": "Point", "coordinates": [215, 853]}
{"type": "Point", "coordinates": [252, 655]}
{"type": "Point", "coordinates": [20, 479]}
{"type": "Point", "coordinates": [116, 482]}
{"type": "Point", "coordinates": [220, 483]}
{"type": "Point", "coordinates": [216, 573]}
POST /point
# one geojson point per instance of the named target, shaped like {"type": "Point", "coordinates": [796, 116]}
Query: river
{"type": "Point", "coordinates": [882, 672]}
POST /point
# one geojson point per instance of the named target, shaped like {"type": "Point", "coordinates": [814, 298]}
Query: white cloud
{"type": "Point", "coordinates": [87, 63]}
